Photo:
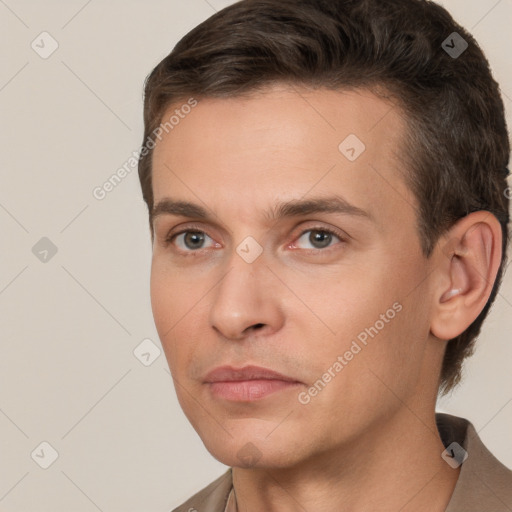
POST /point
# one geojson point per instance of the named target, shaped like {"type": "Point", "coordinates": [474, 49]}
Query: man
{"type": "Point", "coordinates": [326, 188]}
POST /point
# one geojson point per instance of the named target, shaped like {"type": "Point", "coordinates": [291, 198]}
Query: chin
{"type": "Point", "coordinates": [252, 451]}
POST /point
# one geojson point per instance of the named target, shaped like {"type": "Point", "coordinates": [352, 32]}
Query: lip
{"type": "Point", "coordinates": [230, 374]}
{"type": "Point", "coordinates": [247, 384]}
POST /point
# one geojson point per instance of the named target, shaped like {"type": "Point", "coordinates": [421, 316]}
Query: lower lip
{"type": "Point", "coordinates": [249, 390]}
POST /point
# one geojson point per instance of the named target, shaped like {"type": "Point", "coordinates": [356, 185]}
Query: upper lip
{"type": "Point", "coordinates": [231, 374]}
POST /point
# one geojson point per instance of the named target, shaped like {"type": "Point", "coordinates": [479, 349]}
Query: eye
{"type": "Point", "coordinates": [189, 240]}
{"type": "Point", "coordinates": [319, 237]}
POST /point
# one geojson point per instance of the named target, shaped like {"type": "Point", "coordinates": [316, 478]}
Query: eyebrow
{"type": "Point", "coordinates": [292, 208]}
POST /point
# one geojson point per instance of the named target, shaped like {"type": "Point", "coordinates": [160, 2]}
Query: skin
{"type": "Point", "coordinates": [368, 439]}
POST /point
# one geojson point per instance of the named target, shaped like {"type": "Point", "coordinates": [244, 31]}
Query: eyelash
{"type": "Point", "coordinates": [192, 229]}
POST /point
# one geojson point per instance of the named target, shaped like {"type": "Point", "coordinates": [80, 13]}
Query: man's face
{"type": "Point", "coordinates": [345, 316]}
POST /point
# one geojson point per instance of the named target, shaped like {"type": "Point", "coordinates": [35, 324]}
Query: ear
{"type": "Point", "coordinates": [468, 258]}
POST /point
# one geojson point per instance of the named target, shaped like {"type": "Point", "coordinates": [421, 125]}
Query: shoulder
{"type": "Point", "coordinates": [212, 498]}
{"type": "Point", "coordinates": [484, 484]}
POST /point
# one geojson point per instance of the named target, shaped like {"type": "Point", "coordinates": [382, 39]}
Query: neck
{"type": "Point", "coordinates": [395, 465]}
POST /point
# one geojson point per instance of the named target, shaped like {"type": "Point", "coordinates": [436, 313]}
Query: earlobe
{"type": "Point", "coordinates": [467, 277]}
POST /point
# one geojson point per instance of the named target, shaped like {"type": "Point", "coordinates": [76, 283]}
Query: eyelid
{"type": "Point", "coordinates": [184, 228]}
{"type": "Point", "coordinates": [188, 228]}
{"type": "Point", "coordinates": [341, 235]}
{"type": "Point", "coordinates": [183, 253]}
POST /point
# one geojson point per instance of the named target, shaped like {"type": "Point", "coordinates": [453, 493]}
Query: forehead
{"type": "Point", "coordinates": [281, 144]}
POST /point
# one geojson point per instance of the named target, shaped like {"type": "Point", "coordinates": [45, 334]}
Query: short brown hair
{"type": "Point", "coordinates": [457, 146]}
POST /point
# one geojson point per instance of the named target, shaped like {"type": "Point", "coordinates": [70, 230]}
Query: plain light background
{"type": "Point", "coordinates": [69, 326]}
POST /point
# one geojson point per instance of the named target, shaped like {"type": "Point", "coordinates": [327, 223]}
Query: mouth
{"type": "Point", "coordinates": [247, 384]}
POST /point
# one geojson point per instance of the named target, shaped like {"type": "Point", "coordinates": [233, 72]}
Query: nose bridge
{"type": "Point", "coordinates": [239, 287]}
{"type": "Point", "coordinates": [243, 297]}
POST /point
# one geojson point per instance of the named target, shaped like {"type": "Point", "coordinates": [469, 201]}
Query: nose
{"type": "Point", "coordinates": [247, 300]}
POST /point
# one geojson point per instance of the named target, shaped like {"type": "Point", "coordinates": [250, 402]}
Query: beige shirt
{"type": "Point", "coordinates": [484, 483]}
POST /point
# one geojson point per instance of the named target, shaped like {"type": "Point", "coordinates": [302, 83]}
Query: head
{"type": "Point", "coordinates": [270, 104]}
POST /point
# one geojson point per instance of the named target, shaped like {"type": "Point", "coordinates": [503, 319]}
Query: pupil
{"type": "Point", "coordinates": [193, 237]}
{"type": "Point", "coordinates": [321, 237]}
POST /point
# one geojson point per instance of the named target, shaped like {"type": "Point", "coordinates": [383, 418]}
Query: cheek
{"type": "Point", "coordinates": [161, 302]}
{"type": "Point", "coordinates": [177, 305]}
{"type": "Point", "coordinates": [379, 316]}
{"type": "Point", "coordinates": [351, 301]}
{"type": "Point", "coordinates": [165, 305]}
{"type": "Point", "coordinates": [172, 296]}
{"type": "Point", "coordinates": [394, 333]}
